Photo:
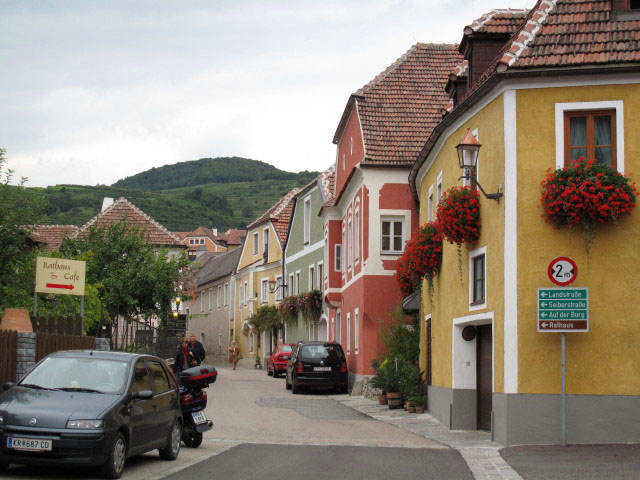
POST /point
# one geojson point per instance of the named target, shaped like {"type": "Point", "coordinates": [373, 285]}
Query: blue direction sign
{"type": "Point", "coordinates": [563, 309]}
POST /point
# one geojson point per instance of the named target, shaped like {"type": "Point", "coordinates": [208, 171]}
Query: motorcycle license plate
{"type": "Point", "coordinates": [199, 417]}
{"type": "Point", "coordinates": [29, 444]}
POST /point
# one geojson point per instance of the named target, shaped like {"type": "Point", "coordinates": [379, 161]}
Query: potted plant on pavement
{"type": "Point", "coordinates": [419, 402]}
{"type": "Point", "coordinates": [379, 381]}
{"type": "Point", "coordinates": [409, 382]}
{"type": "Point", "coordinates": [393, 374]}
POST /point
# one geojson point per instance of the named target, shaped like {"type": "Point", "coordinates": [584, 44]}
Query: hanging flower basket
{"type": "Point", "coordinates": [310, 305]}
{"type": "Point", "coordinates": [422, 258]}
{"type": "Point", "coordinates": [586, 193]}
{"type": "Point", "coordinates": [289, 308]}
{"type": "Point", "coordinates": [458, 218]}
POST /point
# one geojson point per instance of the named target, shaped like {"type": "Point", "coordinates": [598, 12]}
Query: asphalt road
{"type": "Point", "coordinates": [337, 462]}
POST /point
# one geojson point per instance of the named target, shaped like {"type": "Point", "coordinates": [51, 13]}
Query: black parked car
{"type": "Point", "coordinates": [90, 408]}
{"type": "Point", "coordinates": [317, 364]}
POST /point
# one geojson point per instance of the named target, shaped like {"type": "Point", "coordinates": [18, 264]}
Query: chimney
{"type": "Point", "coordinates": [215, 231]}
{"type": "Point", "coordinates": [106, 203]}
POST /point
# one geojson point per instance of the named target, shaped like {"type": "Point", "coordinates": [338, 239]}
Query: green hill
{"type": "Point", "coordinates": [219, 192]}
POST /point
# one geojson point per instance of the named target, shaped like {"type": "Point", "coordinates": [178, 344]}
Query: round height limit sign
{"type": "Point", "coordinates": [562, 271]}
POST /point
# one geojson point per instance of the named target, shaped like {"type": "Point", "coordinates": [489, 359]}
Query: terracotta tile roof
{"type": "Point", "coordinates": [156, 234]}
{"type": "Point", "coordinates": [232, 236]}
{"type": "Point", "coordinates": [51, 235]}
{"type": "Point", "coordinates": [400, 107]}
{"type": "Point", "coordinates": [181, 235]}
{"type": "Point", "coordinates": [326, 182]}
{"type": "Point", "coordinates": [498, 21]}
{"type": "Point", "coordinates": [279, 215]}
{"type": "Point", "coordinates": [571, 33]}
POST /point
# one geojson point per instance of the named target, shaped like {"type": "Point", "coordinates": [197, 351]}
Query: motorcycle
{"type": "Point", "coordinates": [193, 400]}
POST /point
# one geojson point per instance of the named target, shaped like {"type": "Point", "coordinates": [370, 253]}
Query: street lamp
{"type": "Point", "coordinates": [273, 285]}
{"type": "Point", "coordinates": [468, 150]}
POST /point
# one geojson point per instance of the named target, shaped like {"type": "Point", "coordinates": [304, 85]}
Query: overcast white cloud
{"type": "Point", "coordinates": [94, 91]}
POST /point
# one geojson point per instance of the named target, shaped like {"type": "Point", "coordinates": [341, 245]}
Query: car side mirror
{"type": "Point", "coordinates": [142, 395]}
{"type": "Point", "coordinates": [7, 385]}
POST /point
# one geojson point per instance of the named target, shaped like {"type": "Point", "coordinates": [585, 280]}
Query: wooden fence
{"type": "Point", "coordinates": [8, 352]}
{"type": "Point", "coordinates": [58, 325]}
{"type": "Point", "coordinates": [47, 343]}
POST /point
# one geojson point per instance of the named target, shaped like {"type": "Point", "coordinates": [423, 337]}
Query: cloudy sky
{"type": "Point", "coordinates": [94, 91]}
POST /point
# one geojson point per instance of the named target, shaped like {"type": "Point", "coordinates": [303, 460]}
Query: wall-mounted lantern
{"type": "Point", "coordinates": [468, 150]}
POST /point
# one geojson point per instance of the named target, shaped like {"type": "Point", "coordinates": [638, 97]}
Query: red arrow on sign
{"type": "Point", "coordinates": [57, 285]}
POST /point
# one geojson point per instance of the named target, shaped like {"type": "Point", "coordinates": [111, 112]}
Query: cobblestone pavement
{"type": "Point", "coordinates": [481, 454]}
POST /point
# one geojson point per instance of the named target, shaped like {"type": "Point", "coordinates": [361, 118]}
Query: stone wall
{"type": "Point", "coordinates": [26, 353]}
{"type": "Point", "coordinates": [367, 390]}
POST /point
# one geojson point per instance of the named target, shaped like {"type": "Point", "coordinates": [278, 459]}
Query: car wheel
{"type": "Point", "coordinates": [117, 456]}
{"type": "Point", "coordinates": [171, 450]}
{"type": "Point", "coordinates": [286, 383]}
{"type": "Point", "coordinates": [295, 389]}
{"type": "Point", "coordinates": [275, 373]}
{"type": "Point", "coordinates": [269, 372]}
{"type": "Point", "coordinates": [190, 437]}
{"type": "Point", "coordinates": [344, 389]}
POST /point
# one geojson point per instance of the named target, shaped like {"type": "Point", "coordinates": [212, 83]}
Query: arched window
{"type": "Point", "coordinates": [251, 342]}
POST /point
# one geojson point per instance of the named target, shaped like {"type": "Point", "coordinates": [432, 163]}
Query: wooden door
{"type": "Point", "coordinates": [484, 375]}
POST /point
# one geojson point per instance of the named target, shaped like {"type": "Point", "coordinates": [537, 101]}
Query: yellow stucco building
{"type": "Point", "coordinates": [260, 260]}
{"type": "Point", "coordinates": [527, 110]}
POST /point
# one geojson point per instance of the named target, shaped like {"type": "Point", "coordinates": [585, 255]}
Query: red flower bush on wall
{"type": "Point", "coordinates": [422, 258]}
{"type": "Point", "coordinates": [458, 217]}
{"type": "Point", "coordinates": [289, 308]}
{"type": "Point", "coordinates": [586, 192]}
{"type": "Point", "coordinates": [310, 305]}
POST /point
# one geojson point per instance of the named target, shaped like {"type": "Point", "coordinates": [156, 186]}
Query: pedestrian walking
{"type": "Point", "coordinates": [234, 353]}
{"type": "Point", "coordinates": [197, 348]}
{"type": "Point", "coordinates": [184, 357]}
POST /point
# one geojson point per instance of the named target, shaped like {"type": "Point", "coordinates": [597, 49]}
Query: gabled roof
{"type": "Point", "coordinates": [557, 36]}
{"type": "Point", "coordinates": [571, 33]}
{"type": "Point", "coordinates": [155, 233]}
{"type": "Point", "coordinates": [497, 22]}
{"type": "Point", "coordinates": [233, 236]}
{"type": "Point", "coordinates": [400, 107]}
{"type": "Point", "coordinates": [218, 267]}
{"type": "Point", "coordinates": [279, 215]}
{"type": "Point", "coordinates": [51, 235]}
{"type": "Point", "coordinates": [202, 232]}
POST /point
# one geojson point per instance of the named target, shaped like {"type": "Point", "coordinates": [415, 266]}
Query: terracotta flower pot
{"type": "Point", "coordinates": [394, 400]}
{"type": "Point", "coordinates": [382, 398]}
{"type": "Point", "coordinates": [16, 319]}
{"type": "Point", "coordinates": [420, 409]}
{"type": "Point", "coordinates": [411, 409]}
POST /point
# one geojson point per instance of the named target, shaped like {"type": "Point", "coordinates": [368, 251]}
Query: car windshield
{"type": "Point", "coordinates": [285, 348]}
{"type": "Point", "coordinates": [81, 374]}
{"type": "Point", "coordinates": [321, 351]}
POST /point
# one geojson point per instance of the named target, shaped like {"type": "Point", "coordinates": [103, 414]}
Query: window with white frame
{"type": "Point", "coordinates": [255, 243]}
{"type": "Point", "coordinates": [351, 146]}
{"type": "Point", "coordinates": [430, 215]}
{"type": "Point", "coordinates": [307, 220]}
{"type": "Point", "coordinates": [345, 249]}
{"type": "Point", "coordinates": [219, 299]}
{"type": "Point", "coordinates": [279, 288]}
{"type": "Point", "coordinates": [349, 243]}
{"type": "Point", "coordinates": [265, 290]}
{"type": "Point", "coordinates": [356, 330]}
{"type": "Point", "coordinates": [203, 295]}
{"type": "Point", "coordinates": [337, 267]}
{"type": "Point", "coordinates": [297, 284]}
{"type": "Point", "coordinates": [392, 235]}
{"type": "Point", "coordinates": [344, 163]}
{"type": "Point", "coordinates": [478, 279]}
{"type": "Point", "coordinates": [219, 340]}
{"type": "Point", "coordinates": [338, 326]}
{"type": "Point", "coordinates": [290, 286]}
{"type": "Point", "coordinates": [438, 188]}
{"type": "Point", "coordinates": [348, 332]}
{"type": "Point", "coordinates": [246, 292]}
{"type": "Point", "coordinates": [226, 294]}
{"type": "Point", "coordinates": [356, 236]}
{"type": "Point", "coordinates": [211, 299]}
{"type": "Point", "coordinates": [251, 339]}
{"type": "Point", "coordinates": [312, 277]}
{"type": "Point", "coordinates": [594, 130]}
{"type": "Point", "coordinates": [265, 249]}
{"type": "Point", "coordinates": [320, 276]}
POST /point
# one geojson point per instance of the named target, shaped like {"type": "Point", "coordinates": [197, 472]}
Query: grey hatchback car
{"type": "Point", "coordinates": [317, 364]}
{"type": "Point", "coordinates": [90, 408]}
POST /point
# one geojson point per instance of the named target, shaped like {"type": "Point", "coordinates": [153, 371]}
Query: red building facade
{"type": "Point", "coordinates": [372, 212]}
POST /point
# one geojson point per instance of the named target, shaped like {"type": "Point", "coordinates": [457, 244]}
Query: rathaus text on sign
{"type": "Point", "coordinates": [61, 276]}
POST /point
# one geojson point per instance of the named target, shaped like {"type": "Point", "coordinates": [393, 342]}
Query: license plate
{"type": "Point", "coordinates": [285, 358]}
{"type": "Point", "coordinates": [321, 369]}
{"type": "Point", "coordinates": [30, 444]}
{"type": "Point", "coordinates": [199, 417]}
